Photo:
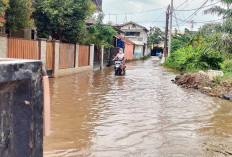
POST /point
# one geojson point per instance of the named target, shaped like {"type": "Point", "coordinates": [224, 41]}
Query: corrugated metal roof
{"type": "Point", "coordinates": [125, 39]}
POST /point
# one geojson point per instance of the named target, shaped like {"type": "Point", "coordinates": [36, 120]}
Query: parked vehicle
{"type": "Point", "coordinates": [117, 68]}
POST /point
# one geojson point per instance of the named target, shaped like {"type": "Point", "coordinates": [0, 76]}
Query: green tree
{"type": "Point", "coordinates": [62, 19]}
{"type": "Point", "coordinates": [155, 36]}
{"type": "Point", "coordinates": [3, 4]}
{"type": "Point", "coordinates": [18, 15]}
{"type": "Point", "coordinates": [182, 40]}
{"type": "Point", "coordinates": [101, 35]}
{"type": "Point", "coordinates": [226, 13]}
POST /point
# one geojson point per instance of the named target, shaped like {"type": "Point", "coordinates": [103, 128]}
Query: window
{"type": "Point", "coordinates": [132, 33]}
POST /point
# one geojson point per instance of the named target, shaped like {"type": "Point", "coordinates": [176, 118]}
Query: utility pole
{"type": "Point", "coordinates": [170, 30]}
{"type": "Point", "coordinates": [192, 24]}
{"type": "Point", "coordinates": [166, 32]}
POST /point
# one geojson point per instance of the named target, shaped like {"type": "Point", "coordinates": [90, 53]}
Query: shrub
{"type": "Point", "coordinates": [227, 66]}
{"type": "Point", "coordinates": [192, 59]}
{"type": "Point", "coordinates": [210, 59]}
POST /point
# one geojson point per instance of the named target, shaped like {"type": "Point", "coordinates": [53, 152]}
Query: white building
{"type": "Point", "coordinates": [137, 34]}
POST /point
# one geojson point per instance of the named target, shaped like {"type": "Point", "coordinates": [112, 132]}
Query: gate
{"type": "Point", "coordinates": [22, 49]}
{"type": "Point", "coordinates": [84, 56]}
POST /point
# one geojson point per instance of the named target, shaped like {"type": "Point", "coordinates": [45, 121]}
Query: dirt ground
{"type": "Point", "coordinates": [216, 87]}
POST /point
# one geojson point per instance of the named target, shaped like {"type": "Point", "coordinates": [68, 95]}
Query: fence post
{"type": "Point", "coordinates": [57, 57]}
{"type": "Point", "coordinates": [42, 49]}
{"type": "Point", "coordinates": [3, 46]}
{"type": "Point", "coordinates": [102, 56]}
{"type": "Point", "coordinates": [91, 55]}
{"type": "Point", "coordinates": [77, 56]}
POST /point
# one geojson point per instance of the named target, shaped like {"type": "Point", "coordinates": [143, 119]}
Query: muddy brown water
{"type": "Point", "coordinates": [141, 114]}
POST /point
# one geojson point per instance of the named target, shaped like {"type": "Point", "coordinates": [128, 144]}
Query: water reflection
{"type": "Point", "coordinates": [141, 114]}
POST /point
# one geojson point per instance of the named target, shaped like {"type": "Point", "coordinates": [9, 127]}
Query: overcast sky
{"type": "Point", "coordinates": [157, 17]}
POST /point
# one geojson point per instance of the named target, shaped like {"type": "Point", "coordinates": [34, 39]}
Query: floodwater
{"type": "Point", "coordinates": [141, 114]}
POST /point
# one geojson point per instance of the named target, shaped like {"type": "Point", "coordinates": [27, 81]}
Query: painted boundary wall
{"type": "Point", "coordinates": [43, 56]}
{"type": "Point", "coordinates": [138, 52]}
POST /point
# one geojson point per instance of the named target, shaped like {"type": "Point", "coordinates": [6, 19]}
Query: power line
{"type": "Point", "coordinates": [138, 11]}
{"type": "Point", "coordinates": [186, 1]}
{"type": "Point", "coordinates": [159, 17]}
{"type": "Point", "coordinates": [198, 21]}
{"type": "Point", "coordinates": [176, 21]}
{"type": "Point", "coordinates": [131, 5]}
{"type": "Point", "coordinates": [194, 14]}
{"type": "Point", "coordinates": [199, 8]}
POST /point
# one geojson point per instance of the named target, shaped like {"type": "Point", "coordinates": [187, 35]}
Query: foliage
{"type": "Point", "coordinates": [3, 5]}
{"type": "Point", "coordinates": [18, 15]}
{"type": "Point", "coordinates": [155, 36]}
{"type": "Point", "coordinates": [62, 19]}
{"type": "Point", "coordinates": [195, 57]}
{"type": "Point", "coordinates": [227, 66]}
{"type": "Point", "coordinates": [181, 40]}
{"type": "Point", "coordinates": [101, 35]}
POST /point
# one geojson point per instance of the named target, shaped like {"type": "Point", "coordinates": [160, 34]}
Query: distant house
{"type": "Point", "coordinates": [129, 47]}
{"type": "Point", "coordinates": [138, 35]}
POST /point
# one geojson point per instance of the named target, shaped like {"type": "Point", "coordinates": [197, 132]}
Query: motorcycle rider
{"type": "Point", "coordinates": [121, 57]}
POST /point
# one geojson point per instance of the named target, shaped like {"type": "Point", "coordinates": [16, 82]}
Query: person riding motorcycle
{"type": "Point", "coordinates": [121, 57]}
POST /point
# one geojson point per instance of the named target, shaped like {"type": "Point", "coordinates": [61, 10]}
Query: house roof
{"type": "Point", "coordinates": [134, 24]}
{"type": "Point", "coordinates": [118, 30]}
{"type": "Point", "coordinates": [125, 39]}
{"type": "Point", "coordinates": [2, 20]}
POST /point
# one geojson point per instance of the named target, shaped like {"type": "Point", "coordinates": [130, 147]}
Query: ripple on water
{"type": "Point", "coordinates": [141, 114]}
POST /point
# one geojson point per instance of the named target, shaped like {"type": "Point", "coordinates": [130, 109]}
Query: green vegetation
{"type": "Point", "coordinates": [209, 48]}
{"type": "Point", "coordinates": [3, 5]}
{"type": "Point", "coordinates": [62, 19]}
{"type": "Point", "coordinates": [197, 55]}
{"type": "Point", "coordinates": [17, 14]}
{"type": "Point", "coordinates": [155, 36]}
{"type": "Point", "coordinates": [99, 35]}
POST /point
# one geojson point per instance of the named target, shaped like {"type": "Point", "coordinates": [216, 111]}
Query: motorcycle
{"type": "Point", "coordinates": [117, 68]}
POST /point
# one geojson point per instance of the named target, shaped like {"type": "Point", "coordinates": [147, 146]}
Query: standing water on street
{"type": "Point", "coordinates": [140, 114]}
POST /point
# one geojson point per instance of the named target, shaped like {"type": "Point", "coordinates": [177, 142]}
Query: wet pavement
{"type": "Point", "coordinates": [140, 114]}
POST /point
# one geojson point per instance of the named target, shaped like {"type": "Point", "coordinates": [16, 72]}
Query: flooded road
{"type": "Point", "coordinates": [141, 114]}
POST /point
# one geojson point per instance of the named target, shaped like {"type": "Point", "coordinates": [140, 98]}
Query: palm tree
{"type": "Point", "coordinates": [226, 13]}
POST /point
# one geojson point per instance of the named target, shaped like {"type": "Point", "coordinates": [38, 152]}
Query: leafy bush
{"type": "Point", "coordinates": [227, 66]}
{"type": "Point", "coordinates": [196, 58]}
{"type": "Point", "coordinates": [210, 59]}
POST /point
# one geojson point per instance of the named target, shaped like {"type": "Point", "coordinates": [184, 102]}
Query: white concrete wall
{"type": "Point", "coordinates": [130, 28]}
{"type": "Point", "coordinates": [91, 54]}
{"type": "Point", "coordinates": [3, 46]}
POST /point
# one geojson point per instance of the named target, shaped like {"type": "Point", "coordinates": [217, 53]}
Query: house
{"type": "Point", "coordinates": [138, 35]}
{"type": "Point", "coordinates": [129, 47]}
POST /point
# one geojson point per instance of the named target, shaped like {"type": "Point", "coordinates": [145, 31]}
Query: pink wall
{"type": "Point", "coordinates": [129, 49]}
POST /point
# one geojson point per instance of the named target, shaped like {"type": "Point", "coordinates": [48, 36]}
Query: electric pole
{"type": "Point", "coordinates": [170, 30]}
{"type": "Point", "coordinates": [166, 32]}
